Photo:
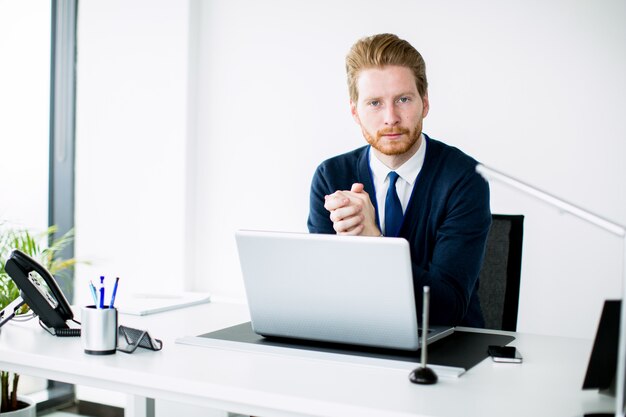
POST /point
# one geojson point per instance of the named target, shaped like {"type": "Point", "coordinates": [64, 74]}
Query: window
{"type": "Point", "coordinates": [35, 112]}
{"type": "Point", "coordinates": [24, 112]}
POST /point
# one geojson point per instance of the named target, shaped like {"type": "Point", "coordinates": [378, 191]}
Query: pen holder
{"type": "Point", "coordinates": [99, 330]}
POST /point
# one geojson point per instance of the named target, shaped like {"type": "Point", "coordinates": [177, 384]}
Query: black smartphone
{"type": "Point", "coordinates": [504, 354]}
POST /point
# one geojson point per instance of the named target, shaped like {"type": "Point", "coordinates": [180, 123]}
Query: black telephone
{"type": "Point", "coordinates": [40, 291]}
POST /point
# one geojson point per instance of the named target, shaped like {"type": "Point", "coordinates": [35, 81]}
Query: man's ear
{"type": "Point", "coordinates": [426, 105]}
{"type": "Point", "coordinates": [355, 114]}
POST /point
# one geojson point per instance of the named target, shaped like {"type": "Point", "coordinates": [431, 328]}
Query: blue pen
{"type": "Point", "coordinates": [93, 293]}
{"type": "Point", "coordinates": [101, 292]}
{"type": "Point", "coordinates": [117, 280]}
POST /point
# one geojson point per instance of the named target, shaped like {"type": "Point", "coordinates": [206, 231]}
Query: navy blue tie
{"type": "Point", "coordinates": [393, 208]}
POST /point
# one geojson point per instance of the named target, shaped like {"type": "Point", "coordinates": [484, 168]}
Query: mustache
{"type": "Point", "coordinates": [393, 131]}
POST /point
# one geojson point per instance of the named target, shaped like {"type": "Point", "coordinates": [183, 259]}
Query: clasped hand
{"type": "Point", "coordinates": [352, 212]}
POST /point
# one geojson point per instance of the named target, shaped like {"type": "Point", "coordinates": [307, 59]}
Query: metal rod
{"type": "Point", "coordinates": [426, 302]}
{"type": "Point", "coordinates": [491, 174]}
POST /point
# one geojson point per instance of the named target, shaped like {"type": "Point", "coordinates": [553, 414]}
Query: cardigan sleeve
{"type": "Point", "coordinates": [319, 218]}
{"type": "Point", "coordinates": [455, 259]}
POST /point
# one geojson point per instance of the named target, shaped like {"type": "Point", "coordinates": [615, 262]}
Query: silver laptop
{"type": "Point", "coordinates": [329, 288]}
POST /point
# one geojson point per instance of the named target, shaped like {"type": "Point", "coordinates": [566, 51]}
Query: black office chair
{"type": "Point", "coordinates": [500, 274]}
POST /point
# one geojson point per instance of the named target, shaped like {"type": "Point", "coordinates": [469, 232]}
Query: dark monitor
{"type": "Point", "coordinates": [602, 367]}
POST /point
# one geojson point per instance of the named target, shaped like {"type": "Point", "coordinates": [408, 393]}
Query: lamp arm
{"type": "Point", "coordinates": [491, 174]}
{"type": "Point", "coordinates": [617, 229]}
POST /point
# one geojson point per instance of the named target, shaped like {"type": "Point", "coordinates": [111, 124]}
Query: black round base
{"type": "Point", "coordinates": [100, 352]}
{"type": "Point", "coordinates": [423, 375]}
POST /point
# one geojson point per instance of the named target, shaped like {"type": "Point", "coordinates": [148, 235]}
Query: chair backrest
{"type": "Point", "coordinates": [500, 274]}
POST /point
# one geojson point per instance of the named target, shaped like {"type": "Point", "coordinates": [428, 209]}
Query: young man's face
{"type": "Point", "coordinates": [389, 109]}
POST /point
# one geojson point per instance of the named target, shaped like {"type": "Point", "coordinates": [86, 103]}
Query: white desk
{"type": "Point", "coordinates": [546, 384]}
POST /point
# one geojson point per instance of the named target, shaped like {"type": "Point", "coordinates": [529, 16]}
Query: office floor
{"type": "Point", "coordinates": [66, 414]}
{"type": "Point", "coordinates": [75, 414]}
{"type": "Point", "coordinates": [86, 409]}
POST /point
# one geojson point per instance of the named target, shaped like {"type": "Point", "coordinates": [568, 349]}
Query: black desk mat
{"type": "Point", "coordinates": [460, 349]}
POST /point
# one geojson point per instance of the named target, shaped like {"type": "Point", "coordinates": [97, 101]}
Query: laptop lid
{"type": "Point", "coordinates": [341, 289]}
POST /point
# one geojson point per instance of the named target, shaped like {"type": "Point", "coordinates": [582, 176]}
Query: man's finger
{"type": "Point", "coordinates": [335, 201]}
{"type": "Point", "coordinates": [352, 232]}
{"type": "Point", "coordinates": [348, 225]}
{"type": "Point", "coordinates": [357, 187]}
{"type": "Point", "coordinates": [345, 213]}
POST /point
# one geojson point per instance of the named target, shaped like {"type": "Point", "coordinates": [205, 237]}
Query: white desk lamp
{"type": "Point", "coordinates": [614, 228]}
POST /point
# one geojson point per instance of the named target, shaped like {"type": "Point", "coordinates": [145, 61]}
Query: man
{"type": "Point", "coordinates": [439, 204]}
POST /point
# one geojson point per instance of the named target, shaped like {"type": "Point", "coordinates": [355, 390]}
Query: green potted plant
{"type": "Point", "coordinates": [47, 255]}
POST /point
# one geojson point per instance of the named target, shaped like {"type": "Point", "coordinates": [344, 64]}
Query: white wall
{"type": "Point", "coordinates": [131, 127]}
{"type": "Point", "coordinates": [196, 119]}
{"type": "Point", "coordinates": [130, 144]}
{"type": "Point", "coordinates": [535, 89]}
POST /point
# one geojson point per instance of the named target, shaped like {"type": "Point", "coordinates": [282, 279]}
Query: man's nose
{"type": "Point", "coordinates": [392, 117]}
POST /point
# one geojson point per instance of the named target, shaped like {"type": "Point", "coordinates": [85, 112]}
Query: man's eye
{"type": "Point", "coordinates": [374, 103]}
{"type": "Point", "coordinates": [404, 99]}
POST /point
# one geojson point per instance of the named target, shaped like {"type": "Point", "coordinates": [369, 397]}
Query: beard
{"type": "Point", "coordinates": [394, 146]}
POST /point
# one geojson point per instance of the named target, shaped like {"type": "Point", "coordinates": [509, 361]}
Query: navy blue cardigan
{"type": "Point", "coordinates": [446, 224]}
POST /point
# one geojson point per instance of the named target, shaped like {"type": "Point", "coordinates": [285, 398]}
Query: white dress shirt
{"type": "Point", "coordinates": [407, 173]}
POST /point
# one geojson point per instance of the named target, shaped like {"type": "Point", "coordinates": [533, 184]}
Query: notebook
{"type": "Point", "coordinates": [328, 288]}
{"type": "Point", "coordinates": [144, 304]}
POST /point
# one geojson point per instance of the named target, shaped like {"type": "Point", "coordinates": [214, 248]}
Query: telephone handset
{"type": "Point", "coordinates": [40, 291]}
